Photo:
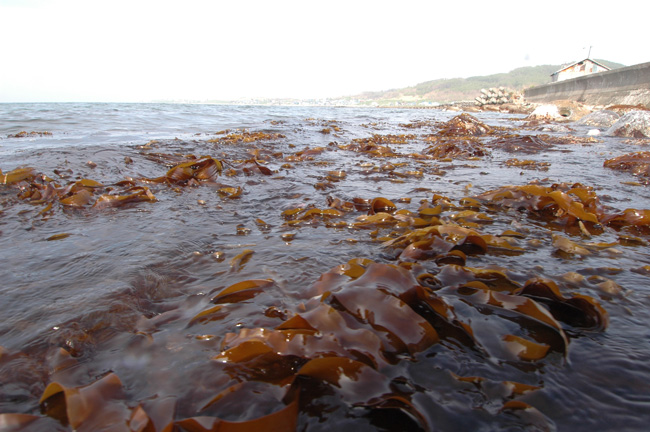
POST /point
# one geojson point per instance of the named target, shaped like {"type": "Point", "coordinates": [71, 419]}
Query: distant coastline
{"type": "Point", "coordinates": [428, 94]}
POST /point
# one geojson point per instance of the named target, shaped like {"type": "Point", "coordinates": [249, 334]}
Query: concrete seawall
{"type": "Point", "coordinates": [629, 85]}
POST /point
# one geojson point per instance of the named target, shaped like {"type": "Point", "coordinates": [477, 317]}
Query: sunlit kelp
{"type": "Point", "coordinates": [25, 134]}
{"type": "Point", "coordinates": [638, 164]}
{"type": "Point", "coordinates": [41, 189]}
{"type": "Point", "coordinates": [437, 230]}
{"type": "Point", "coordinates": [527, 164]}
{"type": "Point", "coordinates": [17, 175]}
{"type": "Point", "coordinates": [243, 137]}
{"type": "Point", "coordinates": [559, 204]}
{"type": "Point", "coordinates": [456, 138]}
{"type": "Point", "coordinates": [192, 171]}
{"type": "Point", "coordinates": [576, 207]}
{"type": "Point", "coordinates": [464, 125]}
{"type": "Point", "coordinates": [187, 171]}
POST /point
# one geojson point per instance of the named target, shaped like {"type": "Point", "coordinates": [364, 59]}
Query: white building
{"type": "Point", "coordinates": [577, 69]}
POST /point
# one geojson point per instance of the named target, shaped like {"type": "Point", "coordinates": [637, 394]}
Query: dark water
{"type": "Point", "coordinates": [95, 294]}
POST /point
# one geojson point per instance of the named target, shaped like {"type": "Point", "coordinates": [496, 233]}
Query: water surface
{"type": "Point", "coordinates": [90, 293]}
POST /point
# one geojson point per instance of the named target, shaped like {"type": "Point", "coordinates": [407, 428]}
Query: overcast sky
{"type": "Point", "coordinates": [141, 50]}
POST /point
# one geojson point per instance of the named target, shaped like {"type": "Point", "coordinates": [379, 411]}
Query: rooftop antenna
{"type": "Point", "coordinates": [589, 53]}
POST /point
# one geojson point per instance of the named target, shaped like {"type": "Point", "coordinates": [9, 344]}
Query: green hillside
{"type": "Point", "coordinates": [459, 89]}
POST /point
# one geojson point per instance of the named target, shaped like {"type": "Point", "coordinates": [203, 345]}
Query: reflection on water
{"type": "Point", "coordinates": [240, 267]}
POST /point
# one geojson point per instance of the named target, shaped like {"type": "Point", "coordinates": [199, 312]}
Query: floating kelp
{"type": "Point", "coordinates": [635, 221]}
{"type": "Point", "coordinates": [244, 137]}
{"type": "Point", "coordinates": [241, 290]}
{"type": "Point", "coordinates": [380, 204]}
{"type": "Point", "coordinates": [579, 311]}
{"type": "Point", "coordinates": [538, 332]}
{"type": "Point", "coordinates": [191, 172]}
{"type": "Point", "coordinates": [133, 195]}
{"type": "Point", "coordinates": [568, 246]}
{"type": "Point", "coordinates": [305, 155]}
{"type": "Point", "coordinates": [456, 149]}
{"type": "Point", "coordinates": [528, 164]}
{"type": "Point", "coordinates": [283, 420]}
{"type": "Point", "coordinates": [25, 134]}
{"type": "Point", "coordinates": [17, 175]}
{"type": "Point", "coordinates": [564, 204]}
{"type": "Point", "coordinates": [230, 192]}
{"type": "Point", "coordinates": [575, 207]}
{"type": "Point", "coordinates": [239, 261]}
{"type": "Point", "coordinates": [329, 124]}
{"type": "Point", "coordinates": [378, 146]}
{"type": "Point", "coordinates": [383, 139]}
{"type": "Point", "coordinates": [632, 217]}
{"type": "Point", "coordinates": [92, 407]}
{"type": "Point", "coordinates": [58, 237]}
{"type": "Point", "coordinates": [300, 215]}
{"type": "Point", "coordinates": [100, 405]}
{"type": "Point", "coordinates": [369, 148]}
{"type": "Point", "coordinates": [520, 144]}
{"type": "Point", "coordinates": [40, 189]}
{"type": "Point", "coordinates": [253, 166]}
{"type": "Point", "coordinates": [464, 125]}
{"type": "Point", "coordinates": [638, 164]}
{"type": "Point", "coordinates": [335, 176]}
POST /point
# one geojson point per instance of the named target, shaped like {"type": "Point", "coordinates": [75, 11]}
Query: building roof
{"type": "Point", "coordinates": [578, 62]}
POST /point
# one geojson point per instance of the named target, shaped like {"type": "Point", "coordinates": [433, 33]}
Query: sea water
{"type": "Point", "coordinates": [118, 289]}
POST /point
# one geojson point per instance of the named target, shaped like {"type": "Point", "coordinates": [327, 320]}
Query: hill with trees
{"type": "Point", "coordinates": [465, 89]}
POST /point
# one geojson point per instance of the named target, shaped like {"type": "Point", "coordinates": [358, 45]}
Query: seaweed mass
{"type": "Point", "coordinates": [410, 271]}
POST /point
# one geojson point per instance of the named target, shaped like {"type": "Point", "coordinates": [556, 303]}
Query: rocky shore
{"type": "Point", "coordinates": [612, 120]}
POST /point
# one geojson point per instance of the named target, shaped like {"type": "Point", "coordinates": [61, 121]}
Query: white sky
{"type": "Point", "coordinates": [141, 50]}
